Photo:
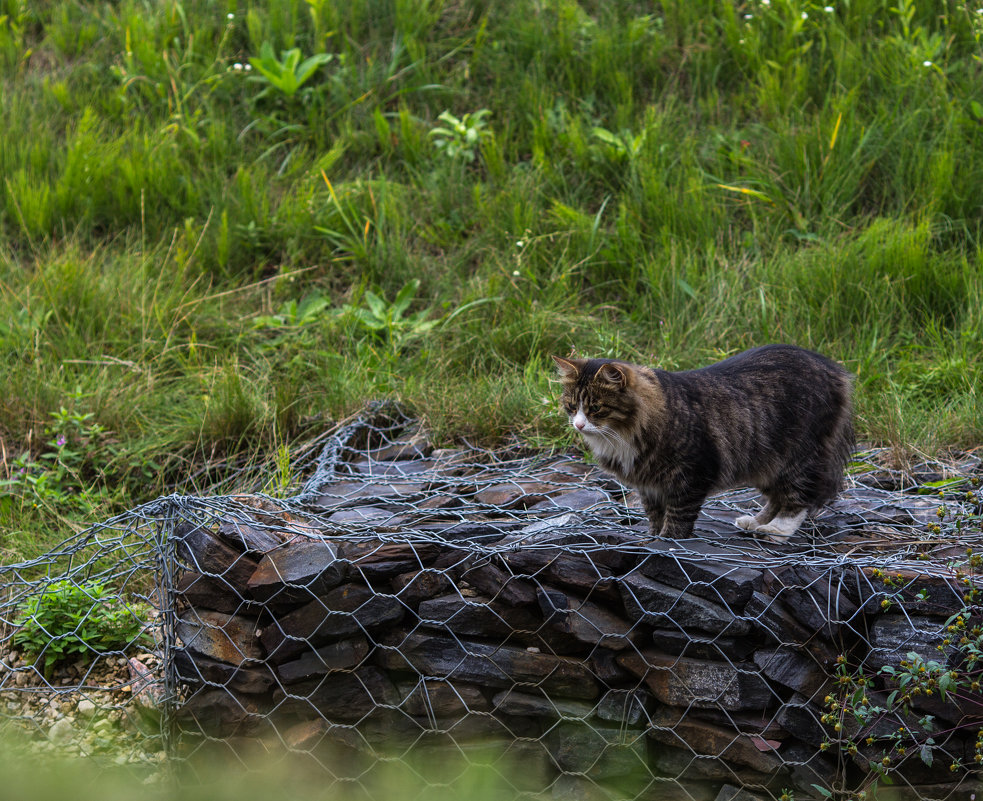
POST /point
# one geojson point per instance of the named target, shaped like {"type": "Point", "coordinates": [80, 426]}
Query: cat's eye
{"type": "Point", "coordinates": [595, 410]}
{"type": "Point", "coordinates": [570, 407]}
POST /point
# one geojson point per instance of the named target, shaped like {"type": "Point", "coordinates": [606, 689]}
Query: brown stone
{"type": "Point", "coordinates": [674, 727]}
{"type": "Point", "coordinates": [441, 699]}
{"type": "Point", "coordinates": [205, 553]}
{"type": "Point", "coordinates": [509, 495]}
{"type": "Point", "coordinates": [226, 638]}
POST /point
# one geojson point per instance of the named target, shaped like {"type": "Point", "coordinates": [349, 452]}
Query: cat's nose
{"type": "Point", "coordinates": [579, 423]}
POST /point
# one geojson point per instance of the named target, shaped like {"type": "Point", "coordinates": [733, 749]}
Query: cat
{"type": "Point", "coordinates": [777, 417]}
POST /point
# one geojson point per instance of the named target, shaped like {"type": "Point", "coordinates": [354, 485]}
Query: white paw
{"type": "Point", "coordinates": [747, 523]}
{"type": "Point", "coordinates": [781, 528]}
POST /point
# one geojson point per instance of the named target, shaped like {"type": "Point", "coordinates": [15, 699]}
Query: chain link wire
{"type": "Point", "coordinates": [446, 608]}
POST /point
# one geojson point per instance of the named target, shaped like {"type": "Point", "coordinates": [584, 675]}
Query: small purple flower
{"type": "Point", "coordinates": [61, 440]}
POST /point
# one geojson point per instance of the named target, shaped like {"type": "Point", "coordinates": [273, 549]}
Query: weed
{"type": "Point", "coordinates": [460, 138]}
{"type": "Point", "coordinates": [286, 74]}
{"type": "Point", "coordinates": [68, 619]}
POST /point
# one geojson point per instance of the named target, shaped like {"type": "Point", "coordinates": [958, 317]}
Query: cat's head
{"type": "Point", "coordinates": [599, 395]}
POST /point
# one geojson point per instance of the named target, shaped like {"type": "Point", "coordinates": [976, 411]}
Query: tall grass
{"type": "Point", "coordinates": [183, 242]}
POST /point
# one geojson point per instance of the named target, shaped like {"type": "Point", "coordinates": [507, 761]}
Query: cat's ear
{"type": "Point", "coordinates": [567, 368]}
{"type": "Point", "coordinates": [612, 374]}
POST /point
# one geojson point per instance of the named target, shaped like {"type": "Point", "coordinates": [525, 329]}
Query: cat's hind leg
{"type": "Point", "coordinates": [782, 526]}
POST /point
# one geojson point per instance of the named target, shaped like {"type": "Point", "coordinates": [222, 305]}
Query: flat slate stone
{"type": "Point", "coordinates": [488, 665]}
{"type": "Point", "coordinates": [205, 553]}
{"type": "Point", "coordinates": [193, 669]}
{"type": "Point", "coordinates": [378, 560]}
{"type": "Point", "coordinates": [709, 578]}
{"type": "Point", "coordinates": [205, 592]}
{"type": "Point", "coordinates": [252, 537]}
{"type": "Point", "coordinates": [664, 606]}
{"type": "Point", "coordinates": [625, 706]}
{"type": "Point", "coordinates": [344, 611]}
{"type": "Point", "coordinates": [297, 571]}
{"type": "Point", "coordinates": [674, 727]}
{"type": "Point", "coordinates": [586, 622]}
{"type": "Point", "coordinates": [475, 617]}
{"type": "Point", "coordinates": [794, 669]}
{"type": "Point", "coordinates": [678, 681]}
{"type": "Point", "coordinates": [893, 637]}
{"type": "Point", "coordinates": [225, 638]}
{"type": "Point", "coordinates": [497, 584]}
{"type": "Point", "coordinates": [702, 645]}
{"type": "Point", "coordinates": [416, 586]}
{"type": "Point", "coordinates": [536, 704]}
{"type": "Point", "coordinates": [342, 696]}
{"type": "Point", "coordinates": [341, 655]}
{"type": "Point", "coordinates": [441, 699]}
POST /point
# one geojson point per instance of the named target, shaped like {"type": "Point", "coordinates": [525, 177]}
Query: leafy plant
{"type": "Point", "coordinates": [69, 619]}
{"type": "Point", "coordinates": [389, 321]}
{"type": "Point", "coordinates": [288, 73]}
{"type": "Point", "coordinates": [459, 138]}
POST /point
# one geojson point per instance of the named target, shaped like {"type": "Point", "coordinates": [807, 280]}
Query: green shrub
{"type": "Point", "coordinates": [69, 619]}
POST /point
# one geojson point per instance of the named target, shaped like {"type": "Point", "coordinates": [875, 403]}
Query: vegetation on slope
{"type": "Point", "coordinates": [225, 224]}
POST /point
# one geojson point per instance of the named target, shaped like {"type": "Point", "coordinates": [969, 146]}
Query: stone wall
{"type": "Point", "coordinates": [420, 602]}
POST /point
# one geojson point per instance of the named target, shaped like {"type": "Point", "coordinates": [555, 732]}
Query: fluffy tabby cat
{"type": "Point", "coordinates": [777, 418]}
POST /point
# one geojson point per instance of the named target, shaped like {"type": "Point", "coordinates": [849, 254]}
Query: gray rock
{"type": "Point", "coordinates": [678, 681]}
{"type": "Point", "coordinates": [664, 606]}
{"type": "Point", "coordinates": [487, 665]}
{"type": "Point", "coordinates": [297, 571]}
{"type": "Point", "coordinates": [893, 637]}
{"type": "Point", "coordinates": [583, 620]}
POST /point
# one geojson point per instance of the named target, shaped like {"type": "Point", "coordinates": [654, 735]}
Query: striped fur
{"type": "Point", "coordinates": [778, 418]}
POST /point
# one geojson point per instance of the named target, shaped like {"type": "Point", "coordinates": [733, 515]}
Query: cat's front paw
{"type": "Point", "coordinates": [746, 522]}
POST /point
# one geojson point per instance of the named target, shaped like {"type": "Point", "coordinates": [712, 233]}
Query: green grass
{"type": "Point", "coordinates": [189, 249]}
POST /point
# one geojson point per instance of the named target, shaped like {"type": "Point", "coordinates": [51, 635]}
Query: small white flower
{"type": "Point", "coordinates": [515, 273]}
{"type": "Point", "coordinates": [926, 63]}
{"type": "Point", "coordinates": [247, 67]}
{"type": "Point", "coordinates": [230, 15]}
{"type": "Point", "coordinates": [749, 16]}
{"type": "Point", "coordinates": [828, 9]}
{"type": "Point", "coordinates": [766, 2]}
{"type": "Point", "coordinates": [805, 15]}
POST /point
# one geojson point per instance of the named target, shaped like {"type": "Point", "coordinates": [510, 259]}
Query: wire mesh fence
{"type": "Point", "coordinates": [446, 608]}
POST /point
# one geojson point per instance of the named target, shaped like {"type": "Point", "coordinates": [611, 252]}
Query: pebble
{"type": "Point", "coordinates": [61, 731]}
{"type": "Point", "coordinates": [86, 708]}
